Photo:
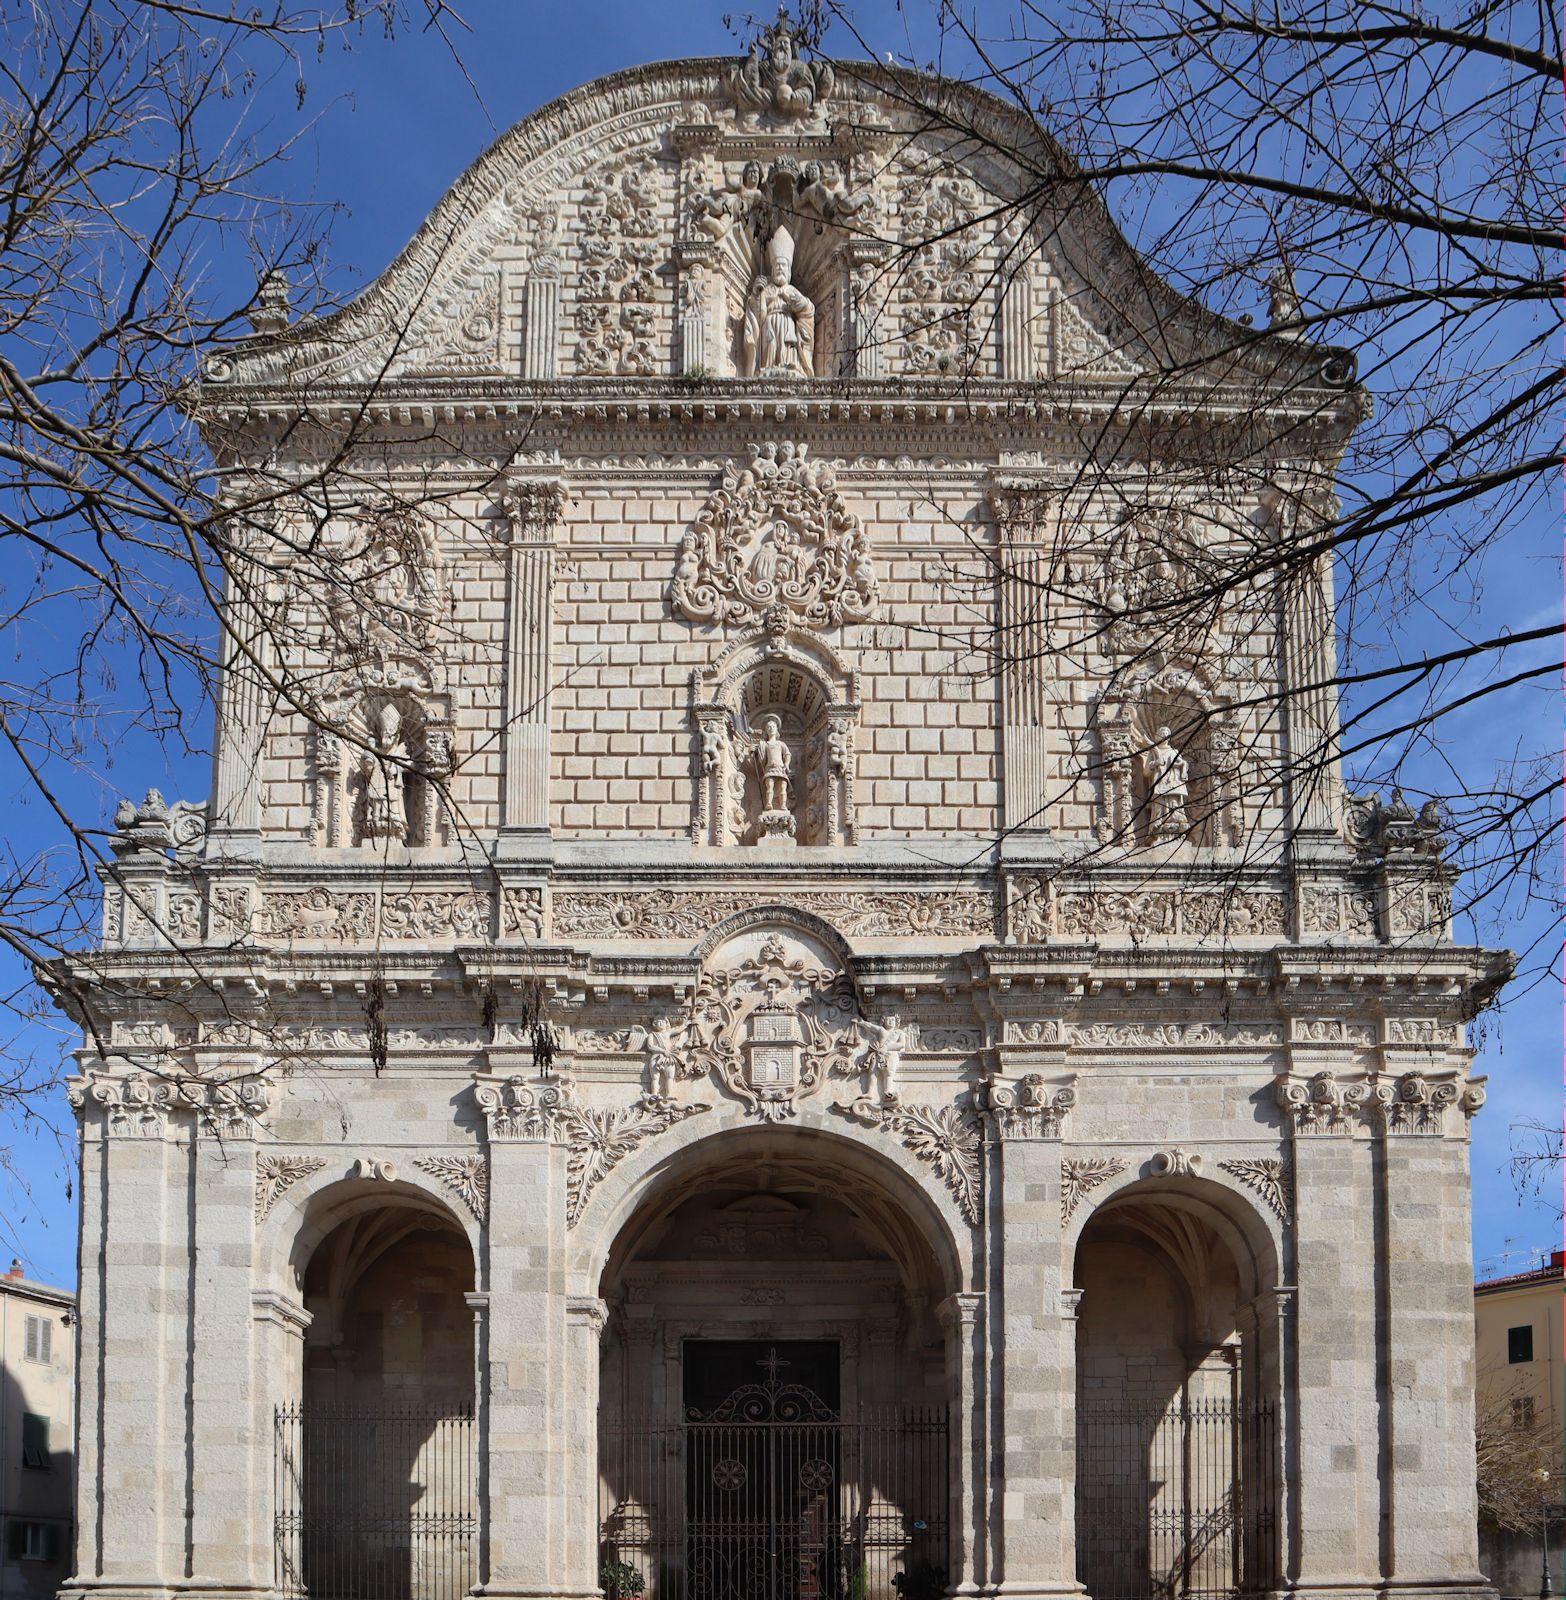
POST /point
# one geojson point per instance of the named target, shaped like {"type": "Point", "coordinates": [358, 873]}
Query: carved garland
{"type": "Point", "coordinates": [1272, 1179]}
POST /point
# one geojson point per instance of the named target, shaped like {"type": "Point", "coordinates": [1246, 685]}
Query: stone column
{"type": "Point", "coordinates": [278, 1328]}
{"type": "Point", "coordinates": [478, 1304]}
{"type": "Point", "coordinates": [541, 306]}
{"type": "Point", "coordinates": [1024, 571]}
{"type": "Point", "coordinates": [1016, 328]}
{"type": "Point", "coordinates": [240, 740]}
{"type": "Point", "coordinates": [525, 1361]}
{"type": "Point", "coordinates": [585, 1319]}
{"type": "Point", "coordinates": [1310, 666]}
{"type": "Point", "coordinates": [532, 508]}
{"type": "Point", "coordinates": [231, 1539]}
{"type": "Point", "coordinates": [132, 1343]}
{"type": "Point", "coordinates": [967, 1366]}
{"type": "Point", "coordinates": [1432, 1507]}
{"type": "Point", "coordinates": [1333, 1403]}
{"type": "Point", "coordinates": [1036, 1360]}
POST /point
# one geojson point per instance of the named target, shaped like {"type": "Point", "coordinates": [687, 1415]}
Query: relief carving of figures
{"type": "Point", "coordinates": [715, 212]}
{"type": "Point", "coordinates": [771, 759]}
{"type": "Point", "coordinates": [950, 1138]}
{"type": "Point", "coordinates": [671, 914]}
{"type": "Point", "coordinates": [1167, 775]}
{"type": "Point", "coordinates": [779, 339]}
{"type": "Point", "coordinates": [773, 82]}
{"type": "Point", "coordinates": [775, 534]}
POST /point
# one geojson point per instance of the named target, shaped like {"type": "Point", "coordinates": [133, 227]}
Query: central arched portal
{"type": "Point", "coordinates": [774, 1397]}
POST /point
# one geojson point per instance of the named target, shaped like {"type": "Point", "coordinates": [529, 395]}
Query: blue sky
{"type": "Point", "coordinates": [395, 123]}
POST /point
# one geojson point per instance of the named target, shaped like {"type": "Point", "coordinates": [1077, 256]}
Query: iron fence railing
{"type": "Point", "coordinates": [812, 1508]}
{"type": "Point", "coordinates": [374, 1503]}
{"type": "Point", "coordinates": [1176, 1501]}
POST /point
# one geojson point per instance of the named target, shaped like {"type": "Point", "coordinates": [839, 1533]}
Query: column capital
{"type": "Point", "coordinates": [587, 1311]}
{"type": "Point", "coordinates": [962, 1310]}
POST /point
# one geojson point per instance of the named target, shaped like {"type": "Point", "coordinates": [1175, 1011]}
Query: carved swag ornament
{"type": "Point", "coordinates": [775, 539]}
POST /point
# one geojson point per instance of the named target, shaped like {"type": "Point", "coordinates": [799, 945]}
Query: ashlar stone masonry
{"type": "Point", "coordinates": [701, 955]}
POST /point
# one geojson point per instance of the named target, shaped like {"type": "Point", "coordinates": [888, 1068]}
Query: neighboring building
{"type": "Point", "coordinates": [37, 1434]}
{"type": "Point", "coordinates": [687, 1066]}
{"type": "Point", "coordinates": [1521, 1390]}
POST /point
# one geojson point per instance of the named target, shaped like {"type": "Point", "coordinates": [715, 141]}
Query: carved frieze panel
{"type": "Point", "coordinates": [874, 914]}
{"type": "Point", "coordinates": [331, 916]}
{"type": "Point", "coordinates": [619, 252]}
{"type": "Point", "coordinates": [1334, 908]}
{"type": "Point", "coordinates": [776, 536]}
{"type": "Point", "coordinates": [1039, 909]}
{"type": "Point", "coordinates": [1173, 1035]}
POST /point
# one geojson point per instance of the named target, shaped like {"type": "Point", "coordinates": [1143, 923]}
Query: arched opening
{"type": "Point", "coordinates": [1177, 1471]}
{"type": "Point", "coordinates": [375, 1462]}
{"type": "Point", "coordinates": [775, 1381]}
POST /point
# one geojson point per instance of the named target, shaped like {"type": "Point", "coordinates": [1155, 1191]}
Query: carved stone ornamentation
{"type": "Point", "coordinates": [948, 1138]}
{"type": "Point", "coordinates": [598, 1140]}
{"type": "Point", "coordinates": [1415, 1103]}
{"type": "Point", "coordinates": [775, 534]}
{"type": "Point", "coordinates": [467, 1177]}
{"type": "Point", "coordinates": [1173, 1035]}
{"type": "Point", "coordinates": [874, 914]}
{"type": "Point", "coordinates": [516, 1110]}
{"type": "Point", "coordinates": [522, 913]}
{"type": "Point", "coordinates": [319, 914]}
{"type": "Point", "coordinates": [1271, 1178]}
{"type": "Point", "coordinates": [275, 1175]}
{"type": "Point", "coordinates": [1175, 1164]}
{"type": "Point", "coordinates": [435, 916]}
{"type": "Point", "coordinates": [773, 83]}
{"type": "Point", "coordinates": [135, 1106]}
{"type": "Point", "coordinates": [1029, 1108]}
{"type": "Point", "coordinates": [779, 337]}
{"type": "Point", "coordinates": [1323, 1104]}
{"type": "Point", "coordinates": [770, 1028]}
{"type": "Point", "coordinates": [617, 285]}
{"type": "Point", "coordinates": [1081, 1175]}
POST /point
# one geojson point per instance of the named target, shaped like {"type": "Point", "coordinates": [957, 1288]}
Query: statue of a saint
{"type": "Point", "coordinates": [780, 322]}
{"type": "Point", "coordinates": [380, 773]}
{"type": "Point", "coordinates": [772, 763]}
{"type": "Point", "coordinates": [1168, 777]}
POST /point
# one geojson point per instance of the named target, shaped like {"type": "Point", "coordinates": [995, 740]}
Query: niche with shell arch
{"type": "Point", "coordinates": [780, 689]}
{"type": "Point", "coordinates": [1168, 762]}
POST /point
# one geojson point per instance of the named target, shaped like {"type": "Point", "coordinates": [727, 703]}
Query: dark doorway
{"type": "Point", "coordinates": [763, 1469]}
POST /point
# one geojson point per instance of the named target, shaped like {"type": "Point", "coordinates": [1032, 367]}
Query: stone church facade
{"type": "Point", "coordinates": [692, 1048]}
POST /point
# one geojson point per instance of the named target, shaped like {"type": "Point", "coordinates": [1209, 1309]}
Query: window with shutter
{"type": "Point", "coordinates": [38, 1343]}
{"type": "Point", "coordinates": [35, 1440]}
{"type": "Point", "coordinates": [30, 1349]}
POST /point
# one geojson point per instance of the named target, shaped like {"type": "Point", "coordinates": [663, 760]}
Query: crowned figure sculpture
{"type": "Point", "coordinates": [780, 321]}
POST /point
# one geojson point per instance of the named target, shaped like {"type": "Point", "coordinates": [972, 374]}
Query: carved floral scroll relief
{"type": "Point", "coordinates": [775, 538]}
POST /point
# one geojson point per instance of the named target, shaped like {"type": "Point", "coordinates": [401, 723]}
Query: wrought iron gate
{"type": "Point", "coordinates": [374, 1504]}
{"type": "Point", "coordinates": [775, 1496]}
{"type": "Point", "coordinates": [1176, 1501]}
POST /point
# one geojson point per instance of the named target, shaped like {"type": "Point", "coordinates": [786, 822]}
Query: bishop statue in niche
{"type": "Point", "coordinates": [780, 321]}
